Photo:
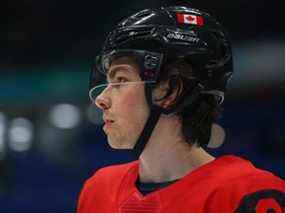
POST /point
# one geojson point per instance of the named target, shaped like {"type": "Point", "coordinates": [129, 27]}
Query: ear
{"type": "Point", "coordinates": [167, 92]}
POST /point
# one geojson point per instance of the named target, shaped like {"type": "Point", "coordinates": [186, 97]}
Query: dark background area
{"type": "Point", "coordinates": [50, 137]}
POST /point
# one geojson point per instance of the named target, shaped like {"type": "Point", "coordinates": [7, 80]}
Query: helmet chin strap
{"type": "Point", "coordinates": [155, 112]}
{"type": "Point", "coordinates": [144, 137]}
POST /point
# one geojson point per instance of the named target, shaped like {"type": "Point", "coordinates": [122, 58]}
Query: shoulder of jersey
{"type": "Point", "coordinates": [231, 169]}
{"type": "Point", "coordinates": [243, 186]}
{"type": "Point", "coordinates": [236, 177]}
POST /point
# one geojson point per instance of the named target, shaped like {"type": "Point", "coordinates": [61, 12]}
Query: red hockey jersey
{"type": "Point", "coordinates": [227, 184]}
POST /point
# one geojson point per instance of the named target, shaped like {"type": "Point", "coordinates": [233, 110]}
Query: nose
{"type": "Point", "coordinates": [102, 101]}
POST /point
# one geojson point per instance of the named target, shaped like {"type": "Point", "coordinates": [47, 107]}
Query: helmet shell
{"type": "Point", "coordinates": [178, 32]}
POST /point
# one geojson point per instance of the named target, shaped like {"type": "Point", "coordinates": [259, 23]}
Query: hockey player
{"type": "Point", "coordinates": [166, 73]}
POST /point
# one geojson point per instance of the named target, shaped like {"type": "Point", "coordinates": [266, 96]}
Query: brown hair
{"type": "Point", "coordinates": [196, 111]}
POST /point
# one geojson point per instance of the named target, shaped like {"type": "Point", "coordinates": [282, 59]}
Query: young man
{"type": "Point", "coordinates": [167, 71]}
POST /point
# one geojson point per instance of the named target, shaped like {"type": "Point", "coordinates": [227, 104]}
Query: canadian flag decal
{"type": "Point", "coordinates": [190, 19]}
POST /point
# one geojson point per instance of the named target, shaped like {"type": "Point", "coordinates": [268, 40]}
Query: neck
{"type": "Point", "coordinates": [167, 156]}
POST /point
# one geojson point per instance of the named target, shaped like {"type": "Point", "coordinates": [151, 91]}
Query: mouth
{"type": "Point", "coordinates": [108, 123]}
{"type": "Point", "coordinates": [108, 120]}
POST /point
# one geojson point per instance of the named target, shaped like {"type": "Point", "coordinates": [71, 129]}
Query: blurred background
{"type": "Point", "coordinates": [50, 136]}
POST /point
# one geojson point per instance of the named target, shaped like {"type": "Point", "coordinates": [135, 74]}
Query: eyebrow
{"type": "Point", "coordinates": [111, 74]}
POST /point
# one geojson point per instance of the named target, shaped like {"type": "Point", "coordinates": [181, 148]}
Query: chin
{"type": "Point", "coordinates": [119, 145]}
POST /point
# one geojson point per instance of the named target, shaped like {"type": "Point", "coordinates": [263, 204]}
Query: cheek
{"type": "Point", "coordinates": [133, 108]}
{"type": "Point", "coordinates": [130, 100]}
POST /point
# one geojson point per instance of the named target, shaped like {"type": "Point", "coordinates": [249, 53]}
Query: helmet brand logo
{"type": "Point", "coordinates": [182, 37]}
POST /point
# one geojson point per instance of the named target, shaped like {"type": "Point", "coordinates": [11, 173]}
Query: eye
{"type": "Point", "coordinates": [121, 79]}
{"type": "Point", "coordinates": [117, 83]}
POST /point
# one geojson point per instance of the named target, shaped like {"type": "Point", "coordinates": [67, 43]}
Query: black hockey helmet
{"type": "Point", "coordinates": [173, 32]}
{"type": "Point", "coordinates": [156, 36]}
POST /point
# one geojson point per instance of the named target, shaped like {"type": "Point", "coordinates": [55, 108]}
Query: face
{"type": "Point", "coordinates": [124, 106]}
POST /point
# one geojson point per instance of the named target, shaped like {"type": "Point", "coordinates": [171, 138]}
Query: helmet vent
{"type": "Point", "coordinates": [132, 33]}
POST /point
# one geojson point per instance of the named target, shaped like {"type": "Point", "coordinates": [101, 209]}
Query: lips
{"type": "Point", "coordinates": [108, 122]}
